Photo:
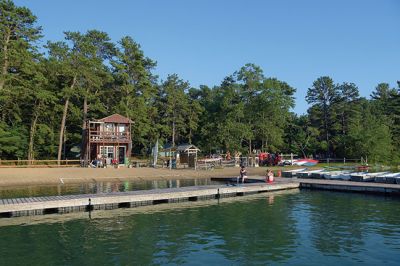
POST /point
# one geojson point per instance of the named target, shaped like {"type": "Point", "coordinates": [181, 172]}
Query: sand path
{"type": "Point", "coordinates": [51, 176]}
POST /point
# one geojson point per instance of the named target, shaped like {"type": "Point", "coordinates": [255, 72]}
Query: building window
{"type": "Point", "coordinates": [107, 151]}
{"type": "Point", "coordinates": [121, 128]}
{"type": "Point", "coordinates": [108, 127]}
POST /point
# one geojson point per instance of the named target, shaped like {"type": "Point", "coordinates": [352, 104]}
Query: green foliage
{"type": "Point", "coordinates": [174, 107]}
{"type": "Point", "coordinates": [303, 136]}
{"type": "Point", "coordinates": [133, 91]}
{"type": "Point", "coordinates": [87, 76]}
{"type": "Point", "coordinates": [370, 137]}
{"type": "Point", "coordinates": [12, 142]}
{"type": "Point", "coordinates": [322, 96]}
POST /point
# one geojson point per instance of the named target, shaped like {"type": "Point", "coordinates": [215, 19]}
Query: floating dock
{"type": "Point", "coordinates": [88, 202]}
{"type": "Point", "coordinates": [351, 186]}
{"type": "Point", "coordinates": [107, 201]}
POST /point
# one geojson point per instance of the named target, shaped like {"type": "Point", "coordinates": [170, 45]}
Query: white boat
{"type": "Point", "coordinates": [338, 175]}
{"type": "Point", "coordinates": [292, 173]}
{"type": "Point", "coordinates": [320, 174]}
{"type": "Point", "coordinates": [389, 178]}
{"type": "Point", "coordinates": [306, 174]}
{"type": "Point", "coordinates": [397, 179]}
{"type": "Point", "coordinates": [358, 176]}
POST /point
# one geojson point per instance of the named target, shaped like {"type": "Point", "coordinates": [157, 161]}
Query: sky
{"type": "Point", "coordinates": [204, 41]}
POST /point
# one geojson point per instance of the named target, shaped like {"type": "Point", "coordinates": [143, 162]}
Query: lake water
{"type": "Point", "coordinates": [99, 187]}
{"type": "Point", "coordinates": [292, 228]}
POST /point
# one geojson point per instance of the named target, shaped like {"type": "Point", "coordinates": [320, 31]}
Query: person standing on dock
{"type": "Point", "coordinates": [269, 178]}
{"type": "Point", "coordinates": [243, 173]}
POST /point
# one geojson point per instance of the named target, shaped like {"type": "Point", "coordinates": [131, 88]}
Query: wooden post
{"type": "Point", "coordinates": [170, 160]}
{"type": "Point", "coordinates": [195, 161]}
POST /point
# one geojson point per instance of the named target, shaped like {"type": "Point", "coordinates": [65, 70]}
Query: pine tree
{"type": "Point", "coordinates": [134, 91]}
{"type": "Point", "coordinates": [323, 96]}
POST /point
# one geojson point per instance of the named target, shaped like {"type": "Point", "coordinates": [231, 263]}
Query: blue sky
{"type": "Point", "coordinates": [204, 41]}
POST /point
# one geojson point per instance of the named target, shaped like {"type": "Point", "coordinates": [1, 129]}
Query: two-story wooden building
{"type": "Point", "coordinates": [108, 139]}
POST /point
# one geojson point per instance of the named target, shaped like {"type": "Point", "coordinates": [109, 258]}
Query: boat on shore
{"type": "Point", "coordinates": [292, 173]}
{"type": "Point", "coordinates": [365, 176]}
{"type": "Point", "coordinates": [388, 178]}
{"type": "Point", "coordinates": [308, 173]}
{"type": "Point", "coordinates": [305, 162]}
{"type": "Point", "coordinates": [338, 175]}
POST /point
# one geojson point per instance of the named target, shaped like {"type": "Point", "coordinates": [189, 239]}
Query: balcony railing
{"type": "Point", "coordinates": [109, 137]}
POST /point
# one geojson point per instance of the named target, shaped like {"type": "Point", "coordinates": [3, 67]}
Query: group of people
{"type": "Point", "coordinates": [101, 162]}
{"type": "Point", "coordinates": [269, 159]}
{"type": "Point", "coordinates": [269, 175]}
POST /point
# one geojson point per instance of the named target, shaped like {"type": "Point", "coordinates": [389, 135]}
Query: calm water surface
{"type": "Point", "coordinates": [98, 187]}
{"type": "Point", "coordinates": [295, 228]}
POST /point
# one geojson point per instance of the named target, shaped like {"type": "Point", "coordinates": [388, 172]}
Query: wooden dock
{"type": "Point", "coordinates": [88, 202]}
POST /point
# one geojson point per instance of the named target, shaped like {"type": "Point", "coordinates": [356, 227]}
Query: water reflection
{"type": "Point", "coordinates": [99, 187]}
{"type": "Point", "coordinates": [302, 228]}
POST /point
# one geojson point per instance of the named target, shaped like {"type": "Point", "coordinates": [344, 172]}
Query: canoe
{"type": "Point", "coordinates": [305, 162]}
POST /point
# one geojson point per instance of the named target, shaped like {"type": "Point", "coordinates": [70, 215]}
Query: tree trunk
{"type": "Point", "coordinates": [32, 135]}
{"type": "Point", "coordinates": [6, 62]}
{"type": "Point", "coordinates": [326, 128]}
{"type": "Point", "coordinates": [84, 129]}
{"type": "Point", "coordinates": [85, 110]}
{"type": "Point", "coordinates": [303, 152]}
{"type": "Point", "coordinates": [173, 133]}
{"type": "Point", "coordinates": [249, 146]}
{"type": "Point", "coordinates": [63, 120]}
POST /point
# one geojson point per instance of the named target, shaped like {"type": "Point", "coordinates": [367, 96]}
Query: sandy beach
{"type": "Point", "coordinates": [51, 176]}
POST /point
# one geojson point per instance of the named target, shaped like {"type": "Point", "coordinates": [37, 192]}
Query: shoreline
{"type": "Point", "coordinates": [11, 177]}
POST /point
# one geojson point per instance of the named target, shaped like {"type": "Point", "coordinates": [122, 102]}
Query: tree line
{"type": "Point", "coordinates": [48, 92]}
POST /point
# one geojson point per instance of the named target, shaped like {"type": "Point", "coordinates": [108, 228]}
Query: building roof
{"type": "Point", "coordinates": [186, 147]}
{"type": "Point", "coordinates": [116, 118]}
{"type": "Point", "coordinates": [181, 147]}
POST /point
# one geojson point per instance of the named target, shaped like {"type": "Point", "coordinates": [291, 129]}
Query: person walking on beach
{"type": "Point", "coordinates": [243, 173]}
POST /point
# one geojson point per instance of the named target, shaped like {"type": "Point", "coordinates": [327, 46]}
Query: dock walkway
{"type": "Point", "coordinates": [72, 203]}
{"type": "Point", "coordinates": [106, 201]}
{"type": "Point", "coordinates": [351, 186]}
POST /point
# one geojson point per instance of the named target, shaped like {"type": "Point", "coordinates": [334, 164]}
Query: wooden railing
{"type": "Point", "coordinates": [109, 137]}
{"type": "Point", "coordinates": [39, 163]}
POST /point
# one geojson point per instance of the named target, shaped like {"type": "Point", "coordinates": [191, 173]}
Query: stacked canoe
{"type": "Point", "coordinates": [379, 177]}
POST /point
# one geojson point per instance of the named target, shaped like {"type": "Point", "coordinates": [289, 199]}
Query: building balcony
{"type": "Point", "coordinates": [109, 137]}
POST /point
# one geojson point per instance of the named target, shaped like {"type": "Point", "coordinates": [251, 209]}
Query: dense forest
{"type": "Point", "coordinates": [48, 92]}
